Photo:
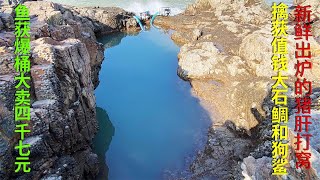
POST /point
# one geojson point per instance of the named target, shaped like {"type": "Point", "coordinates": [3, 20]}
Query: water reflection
{"type": "Point", "coordinates": [115, 39]}
{"type": "Point", "coordinates": [102, 140]}
{"type": "Point", "coordinates": [160, 125]}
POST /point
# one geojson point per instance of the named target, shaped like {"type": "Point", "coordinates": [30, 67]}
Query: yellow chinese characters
{"type": "Point", "coordinates": [279, 89]}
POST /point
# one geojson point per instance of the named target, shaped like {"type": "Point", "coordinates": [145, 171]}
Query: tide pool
{"type": "Point", "coordinates": [158, 126]}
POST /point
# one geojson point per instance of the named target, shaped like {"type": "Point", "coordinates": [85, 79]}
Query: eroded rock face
{"type": "Point", "coordinates": [243, 11]}
{"type": "Point", "coordinates": [66, 59]}
{"type": "Point", "coordinates": [61, 22]}
{"type": "Point", "coordinates": [198, 61]}
{"type": "Point", "coordinates": [105, 20]}
{"type": "Point", "coordinates": [83, 24]}
{"type": "Point", "coordinates": [225, 146]}
{"type": "Point", "coordinates": [63, 110]}
{"type": "Point", "coordinates": [205, 59]}
{"type": "Point", "coordinates": [230, 68]}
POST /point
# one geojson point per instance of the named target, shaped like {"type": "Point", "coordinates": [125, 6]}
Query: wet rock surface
{"type": "Point", "coordinates": [66, 60]}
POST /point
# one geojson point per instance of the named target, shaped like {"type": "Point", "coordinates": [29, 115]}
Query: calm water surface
{"type": "Point", "coordinates": [157, 125]}
{"type": "Point", "coordinates": [150, 125]}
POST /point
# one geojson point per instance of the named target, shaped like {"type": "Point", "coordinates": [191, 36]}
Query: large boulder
{"type": "Point", "coordinates": [205, 59]}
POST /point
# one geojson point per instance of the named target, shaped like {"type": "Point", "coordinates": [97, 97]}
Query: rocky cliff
{"type": "Point", "coordinates": [226, 55]}
{"type": "Point", "coordinates": [66, 59]}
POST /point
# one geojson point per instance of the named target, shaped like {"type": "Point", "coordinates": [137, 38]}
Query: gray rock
{"type": "Point", "coordinates": [223, 149]}
{"type": "Point", "coordinates": [66, 61]}
{"type": "Point", "coordinates": [7, 21]}
{"type": "Point", "coordinates": [52, 177]}
{"type": "Point", "coordinates": [1, 25]}
{"type": "Point", "coordinates": [256, 169]}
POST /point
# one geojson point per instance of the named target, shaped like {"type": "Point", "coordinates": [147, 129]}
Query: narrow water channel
{"type": "Point", "coordinates": [150, 124]}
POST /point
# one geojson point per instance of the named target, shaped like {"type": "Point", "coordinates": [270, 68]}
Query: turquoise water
{"type": "Point", "coordinates": [158, 125]}
{"type": "Point", "coordinates": [102, 140]}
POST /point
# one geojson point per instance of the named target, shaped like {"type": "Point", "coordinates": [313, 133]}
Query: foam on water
{"type": "Point", "coordinates": [152, 6]}
{"type": "Point", "coordinates": [138, 6]}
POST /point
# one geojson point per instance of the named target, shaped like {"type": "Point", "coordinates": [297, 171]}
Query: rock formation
{"type": "Point", "coordinates": [229, 68]}
{"type": "Point", "coordinates": [66, 60]}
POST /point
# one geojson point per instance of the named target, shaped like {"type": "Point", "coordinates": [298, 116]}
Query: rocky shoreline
{"type": "Point", "coordinates": [225, 54]}
{"type": "Point", "coordinates": [66, 60]}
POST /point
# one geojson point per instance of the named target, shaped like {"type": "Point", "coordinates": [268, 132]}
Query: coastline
{"type": "Point", "coordinates": [240, 137]}
{"type": "Point", "coordinates": [225, 49]}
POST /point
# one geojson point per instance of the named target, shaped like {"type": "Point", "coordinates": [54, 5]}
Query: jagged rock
{"type": "Point", "coordinates": [66, 60]}
{"type": "Point", "coordinates": [255, 169]}
{"type": "Point", "coordinates": [247, 11]}
{"type": "Point", "coordinates": [7, 21]}
{"type": "Point", "coordinates": [7, 125]}
{"type": "Point", "coordinates": [179, 37]}
{"type": "Point", "coordinates": [223, 149]}
{"type": "Point", "coordinates": [232, 79]}
{"type": "Point", "coordinates": [257, 50]}
{"type": "Point", "coordinates": [63, 32]}
{"type": "Point", "coordinates": [109, 19]}
{"type": "Point", "coordinates": [132, 22]}
{"type": "Point", "coordinates": [204, 59]}
{"type": "Point", "coordinates": [262, 149]}
{"type": "Point", "coordinates": [61, 22]}
{"type": "Point", "coordinates": [191, 10]}
{"type": "Point", "coordinates": [66, 130]}
{"type": "Point", "coordinates": [197, 33]}
{"type": "Point", "coordinates": [7, 61]}
{"type": "Point", "coordinates": [195, 62]}
{"type": "Point", "coordinates": [52, 177]}
{"type": "Point", "coordinates": [1, 25]}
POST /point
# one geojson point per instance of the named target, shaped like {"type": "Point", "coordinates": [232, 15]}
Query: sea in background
{"type": "Point", "coordinates": [138, 6]}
